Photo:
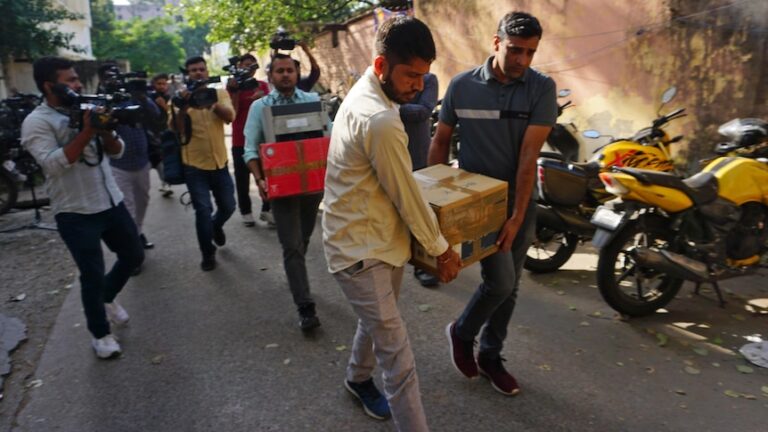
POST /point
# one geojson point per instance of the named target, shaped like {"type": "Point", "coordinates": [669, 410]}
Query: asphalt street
{"type": "Point", "coordinates": [221, 351]}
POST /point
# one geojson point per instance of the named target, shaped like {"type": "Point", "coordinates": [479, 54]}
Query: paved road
{"type": "Point", "coordinates": [221, 351]}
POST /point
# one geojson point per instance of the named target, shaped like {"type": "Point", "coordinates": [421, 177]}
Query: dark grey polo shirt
{"type": "Point", "coordinates": [494, 116]}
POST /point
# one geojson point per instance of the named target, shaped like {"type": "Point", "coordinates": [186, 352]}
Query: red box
{"type": "Point", "coordinates": [294, 167]}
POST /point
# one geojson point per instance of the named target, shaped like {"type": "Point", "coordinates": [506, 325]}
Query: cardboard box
{"type": "Point", "coordinates": [471, 210]}
{"type": "Point", "coordinates": [294, 167]}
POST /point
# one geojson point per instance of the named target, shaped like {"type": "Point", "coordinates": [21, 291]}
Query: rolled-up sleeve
{"type": "Point", "coordinates": [39, 139]}
{"type": "Point", "coordinates": [253, 131]}
{"type": "Point", "coordinates": [386, 145]}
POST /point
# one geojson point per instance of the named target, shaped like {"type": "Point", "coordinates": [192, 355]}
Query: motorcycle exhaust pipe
{"type": "Point", "coordinates": [674, 264]}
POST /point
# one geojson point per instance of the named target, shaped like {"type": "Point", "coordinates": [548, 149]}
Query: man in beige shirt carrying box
{"type": "Point", "coordinates": [372, 206]}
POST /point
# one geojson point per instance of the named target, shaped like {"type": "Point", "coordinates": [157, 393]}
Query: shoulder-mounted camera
{"type": "Point", "coordinates": [200, 94]}
{"type": "Point", "coordinates": [106, 110]}
{"type": "Point", "coordinates": [282, 40]}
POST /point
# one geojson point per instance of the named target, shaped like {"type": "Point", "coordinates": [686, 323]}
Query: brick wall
{"type": "Point", "coordinates": [341, 66]}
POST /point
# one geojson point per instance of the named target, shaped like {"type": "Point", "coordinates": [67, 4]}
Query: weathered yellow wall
{"type": "Point", "coordinates": [617, 57]}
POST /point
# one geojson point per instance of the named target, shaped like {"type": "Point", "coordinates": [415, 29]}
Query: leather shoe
{"type": "Point", "coordinates": [425, 279]}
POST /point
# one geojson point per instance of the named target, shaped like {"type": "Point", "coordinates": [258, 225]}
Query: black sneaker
{"type": "Point", "coordinates": [209, 262]}
{"type": "Point", "coordinates": [219, 238]}
{"type": "Point", "coordinates": [144, 243]}
{"type": "Point", "coordinates": [374, 404]}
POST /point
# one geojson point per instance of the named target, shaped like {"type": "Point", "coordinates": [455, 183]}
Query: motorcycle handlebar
{"type": "Point", "coordinates": [666, 118]}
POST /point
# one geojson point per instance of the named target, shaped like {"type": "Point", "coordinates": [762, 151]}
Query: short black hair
{"type": "Point", "coordinates": [403, 38]}
{"type": "Point", "coordinates": [159, 77]}
{"type": "Point", "coordinates": [280, 56]}
{"type": "Point", "coordinates": [519, 24]}
{"type": "Point", "coordinates": [194, 60]}
{"type": "Point", "coordinates": [46, 69]}
{"type": "Point", "coordinates": [248, 56]}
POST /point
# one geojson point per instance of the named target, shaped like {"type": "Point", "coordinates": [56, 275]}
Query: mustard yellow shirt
{"type": "Point", "coordinates": [206, 149]}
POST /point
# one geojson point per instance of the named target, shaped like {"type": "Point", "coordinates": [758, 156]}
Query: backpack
{"type": "Point", "coordinates": [173, 168]}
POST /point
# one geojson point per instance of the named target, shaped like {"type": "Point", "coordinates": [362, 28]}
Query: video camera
{"type": "Point", "coordinates": [201, 95]}
{"type": "Point", "coordinates": [131, 82]}
{"type": "Point", "coordinates": [243, 76]}
{"type": "Point", "coordinates": [109, 118]}
{"type": "Point", "coordinates": [282, 40]}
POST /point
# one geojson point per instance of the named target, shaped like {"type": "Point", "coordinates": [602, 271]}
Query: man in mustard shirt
{"type": "Point", "coordinates": [205, 162]}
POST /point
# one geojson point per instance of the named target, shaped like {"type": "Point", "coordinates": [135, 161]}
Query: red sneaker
{"type": "Point", "coordinates": [501, 380]}
{"type": "Point", "coordinates": [462, 353]}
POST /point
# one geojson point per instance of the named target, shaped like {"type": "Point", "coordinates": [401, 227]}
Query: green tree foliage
{"type": "Point", "coordinates": [250, 24]}
{"type": "Point", "coordinates": [193, 39]}
{"type": "Point", "coordinates": [27, 28]}
{"type": "Point", "coordinates": [146, 44]}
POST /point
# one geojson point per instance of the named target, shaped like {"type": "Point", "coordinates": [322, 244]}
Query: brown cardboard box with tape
{"type": "Point", "coordinates": [471, 210]}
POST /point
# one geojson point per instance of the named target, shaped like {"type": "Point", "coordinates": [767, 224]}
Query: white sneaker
{"type": "Point", "coordinates": [106, 347]}
{"type": "Point", "coordinates": [248, 220]}
{"type": "Point", "coordinates": [267, 218]}
{"type": "Point", "coordinates": [116, 313]}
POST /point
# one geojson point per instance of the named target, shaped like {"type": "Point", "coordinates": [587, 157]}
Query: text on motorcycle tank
{"type": "Point", "coordinates": [637, 159]}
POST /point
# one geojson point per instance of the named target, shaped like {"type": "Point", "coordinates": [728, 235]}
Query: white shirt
{"type": "Point", "coordinates": [372, 202]}
{"type": "Point", "coordinates": [72, 187]}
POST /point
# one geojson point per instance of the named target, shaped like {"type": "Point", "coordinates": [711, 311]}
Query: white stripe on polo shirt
{"type": "Point", "coordinates": [478, 114]}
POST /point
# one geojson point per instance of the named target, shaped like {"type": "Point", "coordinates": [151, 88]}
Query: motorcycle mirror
{"type": "Point", "coordinates": [564, 93]}
{"type": "Point", "coordinates": [591, 133]}
{"type": "Point", "coordinates": [668, 95]}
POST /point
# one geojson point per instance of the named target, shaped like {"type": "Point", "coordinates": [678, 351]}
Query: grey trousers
{"type": "Point", "coordinates": [135, 187]}
{"type": "Point", "coordinates": [373, 289]}
{"type": "Point", "coordinates": [295, 218]}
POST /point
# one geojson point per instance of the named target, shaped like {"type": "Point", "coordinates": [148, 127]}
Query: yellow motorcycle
{"type": "Point", "coordinates": [569, 192]}
{"type": "Point", "coordinates": [665, 230]}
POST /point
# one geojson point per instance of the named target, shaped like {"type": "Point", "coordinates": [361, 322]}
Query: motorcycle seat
{"type": "Point", "coordinates": [701, 188]}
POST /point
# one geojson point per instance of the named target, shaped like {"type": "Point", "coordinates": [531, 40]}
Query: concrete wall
{"type": "Point", "coordinates": [618, 57]}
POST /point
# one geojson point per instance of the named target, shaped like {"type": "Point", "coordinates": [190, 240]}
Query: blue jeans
{"type": "Point", "coordinates": [201, 184]}
{"type": "Point", "coordinates": [83, 233]}
{"type": "Point", "coordinates": [295, 218]}
{"type": "Point", "coordinates": [494, 300]}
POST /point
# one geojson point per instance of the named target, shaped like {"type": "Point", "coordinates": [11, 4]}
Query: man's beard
{"type": "Point", "coordinates": [389, 89]}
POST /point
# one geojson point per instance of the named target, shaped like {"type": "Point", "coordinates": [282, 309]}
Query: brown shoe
{"type": "Point", "coordinates": [462, 352]}
{"type": "Point", "coordinates": [501, 380]}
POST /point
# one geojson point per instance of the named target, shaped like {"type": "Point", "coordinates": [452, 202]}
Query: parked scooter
{"type": "Point", "coordinates": [665, 230]}
{"type": "Point", "coordinates": [569, 192]}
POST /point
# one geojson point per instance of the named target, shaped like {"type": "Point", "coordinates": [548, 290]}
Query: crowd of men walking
{"type": "Point", "coordinates": [373, 207]}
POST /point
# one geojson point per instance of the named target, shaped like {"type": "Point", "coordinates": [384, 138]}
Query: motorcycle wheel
{"type": "Point", "coordinates": [8, 192]}
{"type": "Point", "coordinates": [627, 288]}
{"type": "Point", "coordinates": [550, 250]}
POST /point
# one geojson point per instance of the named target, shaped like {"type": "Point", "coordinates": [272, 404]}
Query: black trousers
{"type": "Point", "coordinates": [243, 182]}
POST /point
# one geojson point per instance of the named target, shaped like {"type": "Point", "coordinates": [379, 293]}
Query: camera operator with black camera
{"type": "Point", "coordinates": [199, 117]}
{"type": "Point", "coordinates": [283, 41]}
{"type": "Point", "coordinates": [87, 203]}
{"type": "Point", "coordinates": [244, 89]}
{"type": "Point", "coordinates": [132, 170]}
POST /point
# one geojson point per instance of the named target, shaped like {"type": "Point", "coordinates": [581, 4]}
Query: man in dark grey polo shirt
{"type": "Point", "coordinates": [506, 111]}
